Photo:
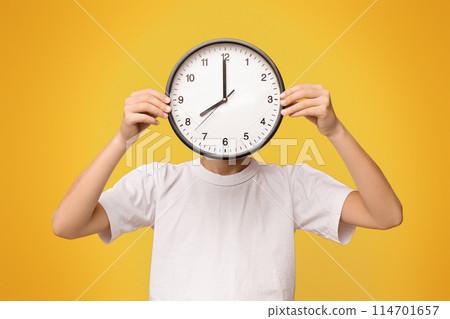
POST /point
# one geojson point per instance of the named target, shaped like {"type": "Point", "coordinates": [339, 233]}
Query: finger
{"type": "Point", "coordinates": [311, 111]}
{"type": "Point", "coordinates": [136, 118]}
{"type": "Point", "coordinates": [148, 98]}
{"type": "Point", "coordinates": [300, 106]}
{"type": "Point", "coordinates": [154, 92]}
{"type": "Point", "coordinates": [148, 108]}
{"type": "Point", "coordinates": [160, 104]}
{"type": "Point", "coordinates": [159, 95]}
{"type": "Point", "coordinates": [308, 93]}
{"type": "Point", "coordinates": [299, 87]}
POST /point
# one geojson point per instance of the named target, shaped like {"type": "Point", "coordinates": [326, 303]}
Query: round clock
{"type": "Point", "coordinates": [225, 98]}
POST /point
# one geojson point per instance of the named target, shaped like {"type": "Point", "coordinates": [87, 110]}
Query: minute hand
{"type": "Point", "coordinates": [224, 77]}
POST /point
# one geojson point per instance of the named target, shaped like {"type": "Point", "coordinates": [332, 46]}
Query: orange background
{"type": "Point", "coordinates": [62, 86]}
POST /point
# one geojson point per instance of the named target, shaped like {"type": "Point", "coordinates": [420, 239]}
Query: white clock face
{"type": "Point", "coordinates": [225, 99]}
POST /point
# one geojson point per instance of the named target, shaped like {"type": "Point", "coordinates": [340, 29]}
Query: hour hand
{"type": "Point", "coordinates": [213, 107]}
{"type": "Point", "coordinates": [225, 99]}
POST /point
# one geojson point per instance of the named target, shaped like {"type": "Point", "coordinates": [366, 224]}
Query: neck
{"type": "Point", "coordinates": [224, 167]}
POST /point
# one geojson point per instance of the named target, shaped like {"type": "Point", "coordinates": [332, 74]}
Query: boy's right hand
{"type": "Point", "coordinates": [141, 109]}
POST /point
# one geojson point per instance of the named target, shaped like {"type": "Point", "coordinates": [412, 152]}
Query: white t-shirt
{"type": "Point", "coordinates": [225, 237]}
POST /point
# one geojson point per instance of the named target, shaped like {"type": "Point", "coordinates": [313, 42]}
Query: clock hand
{"type": "Point", "coordinates": [224, 83]}
{"type": "Point", "coordinates": [224, 77]}
{"type": "Point", "coordinates": [225, 99]}
{"type": "Point", "coordinates": [213, 107]}
{"type": "Point", "coordinates": [211, 112]}
{"type": "Point", "coordinates": [205, 119]}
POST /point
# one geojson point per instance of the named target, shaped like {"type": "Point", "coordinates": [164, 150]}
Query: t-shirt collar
{"type": "Point", "coordinates": [224, 180]}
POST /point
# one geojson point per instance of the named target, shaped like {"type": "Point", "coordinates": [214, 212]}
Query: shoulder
{"type": "Point", "coordinates": [164, 173]}
{"type": "Point", "coordinates": [274, 174]}
{"type": "Point", "coordinates": [286, 179]}
{"type": "Point", "coordinates": [297, 176]}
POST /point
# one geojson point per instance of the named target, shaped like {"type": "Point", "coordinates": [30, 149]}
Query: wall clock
{"type": "Point", "coordinates": [225, 98]}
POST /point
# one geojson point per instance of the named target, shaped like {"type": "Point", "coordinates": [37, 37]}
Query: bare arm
{"type": "Point", "coordinates": [375, 204]}
{"type": "Point", "coordinates": [79, 213]}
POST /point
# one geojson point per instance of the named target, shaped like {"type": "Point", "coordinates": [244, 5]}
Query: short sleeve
{"type": "Point", "coordinates": [317, 203]}
{"type": "Point", "coordinates": [130, 203]}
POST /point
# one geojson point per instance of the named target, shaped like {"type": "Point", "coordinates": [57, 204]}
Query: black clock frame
{"type": "Point", "coordinates": [169, 87]}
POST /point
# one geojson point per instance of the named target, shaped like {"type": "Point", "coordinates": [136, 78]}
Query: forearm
{"type": "Point", "coordinates": [76, 208]}
{"type": "Point", "coordinates": [377, 195]}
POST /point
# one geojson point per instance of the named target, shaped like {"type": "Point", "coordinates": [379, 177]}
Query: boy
{"type": "Point", "coordinates": [225, 231]}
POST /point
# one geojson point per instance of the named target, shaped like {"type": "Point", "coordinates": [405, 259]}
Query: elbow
{"type": "Point", "coordinates": [394, 219]}
{"type": "Point", "coordinates": [59, 229]}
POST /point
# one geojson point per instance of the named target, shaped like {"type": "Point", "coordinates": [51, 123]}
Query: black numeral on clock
{"type": "Point", "coordinates": [205, 62]}
{"type": "Point", "coordinates": [263, 77]}
{"type": "Point", "coordinates": [246, 136]}
{"type": "Point", "coordinates": [225, 141]}
{"type": "Point", "coordinates": [187, 121]}
{"type": "Point", "coordinates": [204, 135]}
{"type": "Point", "coordinates": [190, 77]}
{"type": "Point", "coordinates": [180, 99]}
{"type": "Point", "coordinates": [270, 99]}
{"type": "Point", "coordinates": [263, 121]}
{"type": "Point", "coordinates": [226, 56]}
{"type": "Point", "coordinates": [246, 60]}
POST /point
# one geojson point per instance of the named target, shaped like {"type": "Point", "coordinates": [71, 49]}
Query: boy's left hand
{"type": "Point", "coordinates": [315, 105]}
